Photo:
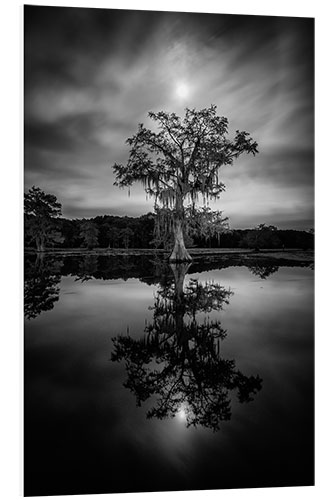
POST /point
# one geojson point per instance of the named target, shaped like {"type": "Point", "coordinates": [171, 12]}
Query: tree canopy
{"type": "Point", "coordinates": [40, 210]}
{"type": "Point", "coordinates": [181, 161]}
{"type": "Point", "coordinates": [41, 204]}
{"type": "Point", "coordinates": [262, 236]}
{"type": "Point", "coordinates": [89, 234]}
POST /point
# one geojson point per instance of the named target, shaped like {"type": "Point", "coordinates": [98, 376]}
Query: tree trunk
{"type": "Point", "coordinates": [40, 244]}
{"type": "Point", "coordinates": [39, 263]}
{"type": "Point", "coordinates": [179, 272]}
{"type": "Point", "coordinates": [179, 253]}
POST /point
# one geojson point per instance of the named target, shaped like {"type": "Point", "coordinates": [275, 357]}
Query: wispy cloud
{"type": "Point", "coordinates": [92, 75]}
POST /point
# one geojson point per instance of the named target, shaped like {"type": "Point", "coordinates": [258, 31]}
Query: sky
{"type": "Point", "coordinates": [92, 75]}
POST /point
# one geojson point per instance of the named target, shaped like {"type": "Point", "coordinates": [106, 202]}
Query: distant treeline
{"type": "Point", "coordinates": [110, 231]}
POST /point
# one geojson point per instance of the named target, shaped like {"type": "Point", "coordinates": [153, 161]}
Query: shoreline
{"type": "Point", "coordinates": [293, 254]}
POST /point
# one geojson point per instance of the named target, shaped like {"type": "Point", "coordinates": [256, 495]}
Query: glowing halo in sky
{"type": "Point", "coordinates": [181, 413]}
{"type": "Point", "coordinates": [182, 90]}
{"type": "Point", "coordinates": [269, 63]}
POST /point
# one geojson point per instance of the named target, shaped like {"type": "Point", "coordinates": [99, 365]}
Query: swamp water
{"type": "Point", "coordinates": [140, 376]}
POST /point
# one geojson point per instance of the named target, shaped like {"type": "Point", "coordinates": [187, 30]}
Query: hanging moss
{"type": "Point", "coordinates": [182, 160]}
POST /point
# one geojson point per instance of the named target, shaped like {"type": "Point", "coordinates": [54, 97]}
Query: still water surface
{"type": "Point", "coordinates": [140, 377]}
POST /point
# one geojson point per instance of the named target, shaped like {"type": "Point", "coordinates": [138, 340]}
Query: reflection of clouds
{"type": "Point", "coordinates": [73, 384]}
{"type": "Point", "coordinates": [279, 305]}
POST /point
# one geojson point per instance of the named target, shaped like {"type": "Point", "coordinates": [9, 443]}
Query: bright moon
{"type": "Point", "coordinates": [182, 90]}
{"type": "Point", "coordinates": [181, 414]}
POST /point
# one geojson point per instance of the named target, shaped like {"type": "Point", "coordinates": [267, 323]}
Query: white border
{"type": "Point", "coordinates": [11, 241]}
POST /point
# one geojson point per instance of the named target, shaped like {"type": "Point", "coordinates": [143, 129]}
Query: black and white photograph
{"type": "Point", "coordinates": [169, 239]}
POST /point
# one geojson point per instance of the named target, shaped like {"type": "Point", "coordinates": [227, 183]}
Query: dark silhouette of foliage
{"type": "Point", "coordinates": [40, 204]}
{"type": "Point", "coordinates": [110, 235]}
{"type": "Point", "coordinates": [291, 238]}
{"type": "Point", "coordinates": [262, 236]}
{"type": "Point", "coordinates": [41, 285]}
{"type": "Point", "coordinates": [126, 236]}
{"type": "Point", "coordinates": [71, 232]}
{"type": "Point", "coordinates": [178, 360]}
{"type": "Point", "coordinates": [263, 270]}
{"type": "Point", "coordinates": [204, 228]}
{"type": "Point", "coordinates": [40, 210]}
{"type": "Point", "coordinates": [181, 161]}
{"type": "Point", "coordinates": [89, 234]}
{"type": "Point", "coordinates": [87, 268]}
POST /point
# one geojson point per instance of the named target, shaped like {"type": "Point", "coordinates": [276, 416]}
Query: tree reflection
{"type": "Point", "coordinates": [263, 271]}
{"type": "Point", "coordinates": [87, 268]}
{"type": "Point", "coordinates": [41, 290]}
{"type": "Point", "coordinates": [178, 363]}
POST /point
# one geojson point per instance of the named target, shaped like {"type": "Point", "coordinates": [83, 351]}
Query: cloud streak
{"type": "Point", "coordinates": [91, 75]}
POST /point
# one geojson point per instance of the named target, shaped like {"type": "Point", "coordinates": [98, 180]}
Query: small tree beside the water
{"type": "Point", "coordinates": [40, 211]}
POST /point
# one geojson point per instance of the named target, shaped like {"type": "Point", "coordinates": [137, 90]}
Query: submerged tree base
{"type": "Point", "coordinates": [180, 254]}
{"type": "Point", "coordinates": [178, 259]}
